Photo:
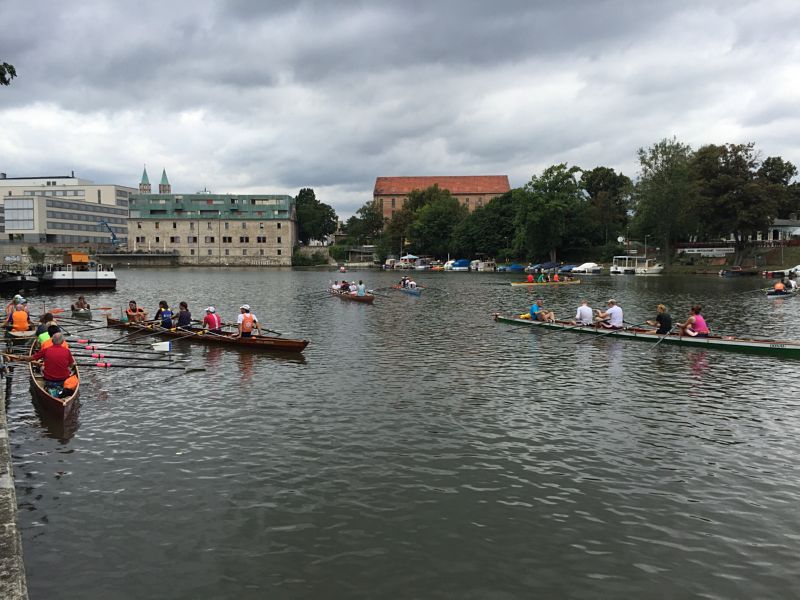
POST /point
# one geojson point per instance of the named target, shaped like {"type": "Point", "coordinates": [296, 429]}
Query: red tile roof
{"type": "Point", "coordinates": [471, 184]}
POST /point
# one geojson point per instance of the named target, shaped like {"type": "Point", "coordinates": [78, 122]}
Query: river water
{"type": "Point", "coordinates": [418, 449]}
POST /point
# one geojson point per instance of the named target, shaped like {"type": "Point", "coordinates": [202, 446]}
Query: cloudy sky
{"type": "Point", "coordinates": [263, 96]}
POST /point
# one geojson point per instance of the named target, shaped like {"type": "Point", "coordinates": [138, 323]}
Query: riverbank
{"type": "Point", "coordinates": [12, 568]}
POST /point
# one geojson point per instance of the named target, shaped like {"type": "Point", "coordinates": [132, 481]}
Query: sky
{"type": "Point", "coordinates": [258, 96]}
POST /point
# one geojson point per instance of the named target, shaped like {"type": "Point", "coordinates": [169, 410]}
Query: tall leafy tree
{"type": "Point", "coordinates": [549, 213]}
{"type": "Point", "coordinates": [609, 194]}
{"type": "Point", "coordinates": [7, 73]}
{"type": "Point", "coordinates": [778, 174]}
{"type": "Point", "coordinates": [433, 226]}
{"type": "Point", "coordinates": [366, 224]}
{"type": "Point", "coordinates": [663, 193]}
{"type": "Point", "coordinates": [315, 219]}
{"type": "Point", "coordinates": [398, 231]}
{"type": "Point", "coordinates": [489, 230]}
{"type": "Point", "coordinates": [732, 197]}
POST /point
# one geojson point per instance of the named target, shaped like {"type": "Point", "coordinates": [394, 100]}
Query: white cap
{"type": "Point", "coordinates": [17, 297]}
{"type": "Point", "coordinates": [245, 306]}
{"type": "Point", "coordinates": [211, 309]}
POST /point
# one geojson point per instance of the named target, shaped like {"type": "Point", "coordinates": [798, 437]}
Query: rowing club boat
{"type": "Point", "coordinates": [789, 349]}
{"type": "Point", "coordinates": [368, 299]}
{"type": "Point", "coordinates": [59, 407]}
{"type": "Point", "coordinates": [415, 291]}
{"type": "Point", "coordinates": [273, 344]}
{"type": "Point", "coordinates": [567, 282]}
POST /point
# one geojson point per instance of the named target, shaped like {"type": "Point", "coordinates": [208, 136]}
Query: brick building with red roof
{"type": "Point", "coordinates": [471, 190]}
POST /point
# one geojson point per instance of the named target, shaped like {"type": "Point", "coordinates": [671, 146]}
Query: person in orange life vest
{"type": "Point", "coordinates": [10, 308]}
{"type": "Point", "coordinates": [48, 341]}
{"type": "Point", "coordinates": [135, 314]}
{"type": "Point", "coordinates": [20, 320]}
{"type": "Point", "coordinates": [247, 321]}
{"type": "Point", "coordinates": [211, 321]}
{"type": "Point", "coordinates": [779, 287]}
{"type": "Point", "coordinates": [58, 361]}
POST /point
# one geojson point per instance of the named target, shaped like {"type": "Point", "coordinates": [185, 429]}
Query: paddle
{"type": "Point", "coordinates": [613, 331]}
{"type": "Point", "coordinates": [163, 358]}
{"type": "Point", "coordinates": [106, 365]}
{"type": "Point", "coordinates": [663, 335]}
{"type": "Point", "coordinates": [236, 326]}
{"type": "Point", "coordinates": [577, 326]}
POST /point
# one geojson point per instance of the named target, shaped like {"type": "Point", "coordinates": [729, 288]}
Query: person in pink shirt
{"type": "Point", "coordinates": [695, 325]}
{"type": "Point", "coordinates": [211, 321]}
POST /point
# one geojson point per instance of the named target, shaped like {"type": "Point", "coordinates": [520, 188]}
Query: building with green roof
{"type": "Point", "coordinates": [214, 229]}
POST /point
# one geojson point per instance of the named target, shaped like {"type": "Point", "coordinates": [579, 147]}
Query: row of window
{"type": "Point", "coordinates": [69, 216]}
{"type": "Point", "coordinates": [275, 214]}
{"type": "Point", "coordinates": [82, 206]}
{"type": "Point", "coordinates": [466, 201]}
{"type": "Point", "coordinates": [157, 225]}
{"type": "Point", "coordinates": [80, 226]}
{"type": "Point", "coordinates": [209, 239]}
{"type": "Point", "coordinates": [78, 193]}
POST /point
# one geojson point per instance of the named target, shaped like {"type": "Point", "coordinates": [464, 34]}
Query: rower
{"type": "Point", "coordinates": [81, 304]}
{"type": "Point", "coordinates": [539, 314]}
{"type": "Point", "coordinates": [530, 277]}
{"type": "Point", "coordinates": [164, 314]}
{"type": "Point", "coordinates": [20, 320]}
{"type": "Point", "coordinates": [611, 318]}
{"type": "Point", "coordinates": [362, 289]}
{"type": "Point", "coordinates": [695, 325]}
{"type": "Point", "coordinates": [583, 316]}
{"type": "Point", "coordinates": [779, 287]}
{"type": "Point", "coordinates": [211, 322]}
{"type": "Point", "coordinates": [134, 313]}
{"type": "Point", "coordinates": [45, 321]}
{"type": "Point", "coordinates": [184, 316]}
{"type": "Point", "coordinates": [412, 284]}
{"type": "Point", "coordinates": [247, 321]}
{"type": "Point", "coordinates": [58, 362]}
{"type": "Point", "coordinates": [663, 320]}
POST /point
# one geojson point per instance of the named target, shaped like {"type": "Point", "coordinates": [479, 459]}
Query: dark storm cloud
{"type": "Point", "coordinates": [278, 96]}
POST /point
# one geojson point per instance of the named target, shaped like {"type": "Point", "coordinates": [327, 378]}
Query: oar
{"type": "Point", "coordinates": [98, 355]}
{"type": "Point", "coordinates": [612, 331]}
{"type": "Point", "coordinates": [663, 335]}
{"type": "Point", "coordinates": [236, 325]}
{"type": "Point", "coordinates": [107, 365]}
{"type": "Point", "coordinates": [576, 326]}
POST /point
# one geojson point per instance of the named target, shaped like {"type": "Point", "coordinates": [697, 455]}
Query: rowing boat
{"type": "Point", "coordinates": [771, 293]}
{"type": "Point", "coordinates": [567, 282]}
{"type": "Point", "coordinates": [268, 343]}
{"type": "Point", "coordinates": [368, 299]}
{"type": "Point", "coordinates": [415, 291]}
{"type": "Point", "coordinates": [58, 407]}
{"type": "Point", "coordinates": [789, 349]}
{"type": "Point", "coordinates": [82, 313]}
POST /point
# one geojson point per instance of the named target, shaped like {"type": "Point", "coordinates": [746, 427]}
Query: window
{"type": "Point", "coordinates": [209, 225]}
{"type": "Point", "coordinates": [141, 239]}
{"type": "Point", "coordinates": [209, 239]}
{"type": "Point", "coordinates": [227, 225]}
{"type": "Point", "coordinates": [99, 198]}
{"type": "Point", "coordinates": [191, 251]}
{"type": "Point", "coordinates": [174, 225]}
{"type": "Point", "coordinates": [466, 201]}
{"type": "Point", "coordinates": [244, 251]}
{"type": "Point", "coordinates": [244, 239]}
{"type": "Point", "coordinates": [279, 251]}
{"type": "Point", "coordinates": [226, 239]}
{"type": "Point", "coordinates": [175, 239]}
{"type": "Point", "coordinates": [261, 252]}
{"type": "Point", "coordinates": [139, 225]}
{"type": "Point", "coordinates": [209, 251]}
{"type": "Point", "coordinates": [261, 226]}
{"type": "Point", "coordinates": [158, 239]}
{"type": "Point", "coordinates": [261, 239]}
{"type": "Point", "coordinates": [279, 225]}
{"type": "Point", "coordinates": [157, 224]}
{"type": "Point", "coordinates": [192, 239]}
{"type": "Point", "coordinates": [279, 239]}
{"type": "Point", "coordinates": [191, 225]}
{"type": "Point", "coordinates": [227, 252]}
{"type": "Point", "coordinates": [393, 203]}
{"type": "Point", "coordinates": [244, 224]}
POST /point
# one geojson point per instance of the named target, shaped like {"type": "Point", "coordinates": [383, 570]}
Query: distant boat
{"type": "Point", "coordinates": [461, 264]}
{"type": "Point", "coordinates": [737, 272]}
{"type": "Point", "coordinates": [588, 268]}
{"type": "Point", "coordinates": [78, 273]}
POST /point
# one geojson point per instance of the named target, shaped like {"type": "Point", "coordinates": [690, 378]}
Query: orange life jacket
{"type": "Point", "coordinates": [49, 342]}
{"type": "Point", "coordinates": [247, 323]}
{"type": "Point", "coordinates": [71, 382]}
{"type": "Point", "coordinates": [19, 318]}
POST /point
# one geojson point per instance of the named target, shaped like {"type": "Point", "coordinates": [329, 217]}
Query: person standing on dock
{"type": "Point", "coordinates": [247, 321]}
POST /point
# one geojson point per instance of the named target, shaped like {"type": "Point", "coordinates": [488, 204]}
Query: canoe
{"type": "Point", "coordinates": [57, 407]}
{"type": "Point", "coordinates": [368, 299]}
{"type": "Point", "coordinates": [82, 313]}
{"type": "Point", "coordinates": [785, 348]}
{"type": "Point", "coordinates": [571, 281]}
{"type": "Point", "coordinates": [268, 343]}
{"type": "Point", "coordinates": [407, 290]}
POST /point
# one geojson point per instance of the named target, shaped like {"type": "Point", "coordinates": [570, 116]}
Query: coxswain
{"type": "Point", "coordinates": [81, 304]}
{"type": "Point", "coordinates": [164, 314]}
{"type": "Point", "coordinates": [58, 362]}
{"type": "Point", "coordinates": [695, 325]}
{"type": "Point", "coordinates": [538, 313]}
{"type": "Point", "coordinates": [134, 313]}
{"type": "Point", "coordinates": [611, 317]}
{"type": "Point", "coordinates": [184, 316]}
{"type": "Point", "coordinates": [211, 322]}
{"type": "Point", "coordinates": [247, 321]}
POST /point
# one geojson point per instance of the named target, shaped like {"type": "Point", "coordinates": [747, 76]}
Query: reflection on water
{"type": "Point", "coordinates": [419, 449]}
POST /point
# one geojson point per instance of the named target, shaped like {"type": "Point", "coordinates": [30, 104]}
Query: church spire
{"type": "Point", "coordinates": [164, 187]}
{"type": "Point", "coordinates": [144, 184]}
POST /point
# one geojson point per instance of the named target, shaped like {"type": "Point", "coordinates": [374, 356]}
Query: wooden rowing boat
{"type": "Point", "coordinates": [368, 299]}
{"type": "Point", "coordinates": [57, 407]}
{"type": "Point", "coordinates": [268, 343]}
{"type": "Point", "coordinates": [567, 282]}
{"type": "Point", "coordinates": [789, 349]}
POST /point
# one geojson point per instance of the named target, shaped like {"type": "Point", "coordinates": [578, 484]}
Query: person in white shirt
{"type": "Point", "coordinates": [584, 314]}
{"type": "Point", "coordinates": [611, 318]}
{"type": "Point", "coordinates": [412, 284]}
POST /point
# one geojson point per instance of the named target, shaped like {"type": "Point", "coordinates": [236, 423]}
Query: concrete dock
{"type": "Point", "coordinates": [12, 568]}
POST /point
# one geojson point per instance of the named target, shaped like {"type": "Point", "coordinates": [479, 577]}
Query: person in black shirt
{"type": "Point", "coordinates": [663, 320]}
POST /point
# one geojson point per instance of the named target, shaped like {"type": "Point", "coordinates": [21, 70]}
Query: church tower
{"type": "Point", "coordinates": [164, 187]}
{"type": "Point", "coordinates": [144, 184]}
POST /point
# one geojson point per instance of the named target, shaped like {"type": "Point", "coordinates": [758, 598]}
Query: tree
{"type": "Point", "coordinates": [366, 224]}
{"type": "Point", "coordinates": [489, 230]}
{"type": "Point", "coordinates": [315, 220]}
{"type": "Point", "coordinates": [550, 212]}
{"type": "Point", "coordinates": [609, 197]}
{"type": "Point", "coordinates": [398, 229]}
{"type": "Point", "coordinates": [732, 197]}
{"type": "Point", "coordinates": [37, 256]}
{"type": "Point", "coordinates": [663, 193]}
{"type": "Point", "coordinates": [778, 174]}
{"type": "Point", "coordinates": [7, 73]}
{"type": "Point", "coordinates": [433, 226]}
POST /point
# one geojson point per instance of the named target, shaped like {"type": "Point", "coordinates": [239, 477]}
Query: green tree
{"type": "Point", "coordinates": [315, 220]}
{"type": "Point", "coordinates": [37, 256]}
{"type": "Point", "coordinates": [366, 225]}
{"type": "Point", "coordinates": [609, 194]}
{"type": "Point", "coordinates": [732, 198]}
{"type": "Point", "coordinates": [550, 214]}
{"type": "Point", "coordinates": [398, 230]}
{"type": "Point", "coordinates": [663, 194]}
{"type": "Point", "coordinates": [7, 73]}
{"type": "Point", "coordinates": [433, 226]}
{"type": "Point", "coordinates": [489, 230]}
{"type": "Point", "coordinates": [778, 174]}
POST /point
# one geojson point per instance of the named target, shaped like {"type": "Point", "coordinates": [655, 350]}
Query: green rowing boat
{"type": "Point", "coordinates": [788, 349]}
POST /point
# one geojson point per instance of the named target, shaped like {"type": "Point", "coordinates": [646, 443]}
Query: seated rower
{"type": "Point", "coordinates": [45, 321]}
{"type": "Point", "coordinates": [530, 277]}
{"type": "Point", "coordinates": [583, 316]}
{"type": "Point", "coordinates": [81, 304]}
{"type": "Point", "coordinates": [538, 313]}
{"type": "Point", "coordinates": [412, 284]}
{"type": "Point", "coordinates": [164, 315]}
{"type": "Point", "coordinates": [612, 317]}
{"type": "Point", "coordinates": [211, 322]}
{"type": "Point", "coordinates": [362, 289]}
{"type": "Point", "coordinates": [134, 313]}
{"type": "Point", "coordinates": [663, 321]}
{"type": "Point", "coordinates": [695, 325]}
{"type": "Point", "coordinates": [779, 287]}
{"type": "Point", "coordinates": [58, 362]}
{"type": "Point", "coordinates": [20, 319]}
{"type": "Point", "coordinates": [184, 316]}
{"type": "Point", "coordinates": [247, 321]}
